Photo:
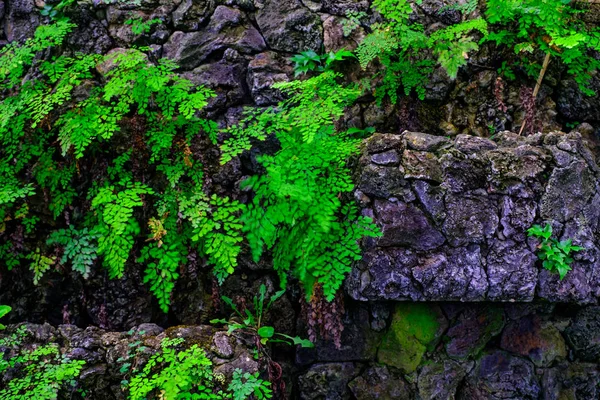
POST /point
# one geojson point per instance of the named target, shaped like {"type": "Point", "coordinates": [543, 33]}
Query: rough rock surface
{"type": "Point", "coordinates": [454, 217]}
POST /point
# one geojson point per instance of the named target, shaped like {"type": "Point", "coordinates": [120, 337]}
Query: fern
{"type": "Point", "coordinates": [296, 211]}
{"type": "Point", "coordinates": [39, 264]}
{"type": "Point", "coordinates": [79, 247]}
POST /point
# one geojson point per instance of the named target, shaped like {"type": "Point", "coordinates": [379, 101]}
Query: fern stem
{"type": "Point", "coordinates": [538, 85]}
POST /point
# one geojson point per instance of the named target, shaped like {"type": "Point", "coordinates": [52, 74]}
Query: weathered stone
{"type": "Point", "coordinates": [384, 182]}
{"type": "Point", "coordinates": [424, 142]}
{"type": "Point", "coordinates": [456, 276]}
{"type": "Point", "coordinates": [388, 158]}
{"type": "Point", "coordinates": [575, 287]}
{"type": "Point", "coordinates": [415, 329]}
{"type": "Point", "coordinates": [533, 338]}
{"type": "Point", "coordinates": [341, 7]}
{"type": "Point", "coordinates": [228, 28]}
{"type": "Point", "coordinates": [421, 165]}
{"type": "Point", "coordinates": [439, 381]}
{"type": "Point", "coordinates": [381, 142]}
{"type": "Point", "coordinates": [568, 192]}
{"type": "Point", "coordinates": [573, 105]}
{"type": "Point", "coordinates": [516, 216]}
{"type": "Point", "coordinates": [511, 272]}
{"type": "Point", "coordinates": [473, 330]}
{"type": "Point", "coordinates": [432, 199]}
{"type": "Point", "coordinates": [462, 174]}
{"type": "Point", "coordinates": [358, 342]}
{"type": "Point", "coordinates": [191, 15]}
{"type": "Point", "coordinates": [405, 225]}
{"type": "Point", "coordinates": [470, 219]}
{"type": "Point", "coordinates": [379, 383]}
{"type": "Point", "coordinates": [499, 375]}
{"type": "Point", "coordinates": [584, 334]}
{"type": "Point", "coordinates": [327, 381]}
{"type": "Point", "coordinates": [470, 144]}
{"type": "Point", "coordinates": [385, 275]}
{"type": "Point", "coordinates": [571, 381]}
{"type": "Point", "coordinates": [264, 71]}
{"type": "Point", "coordinates": [287, 26]}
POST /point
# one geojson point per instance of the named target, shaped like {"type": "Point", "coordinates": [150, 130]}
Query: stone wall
{"type": "Point", "coordinates": [429, 312]}
{"type": "Point", "coordinates": [455, 213]}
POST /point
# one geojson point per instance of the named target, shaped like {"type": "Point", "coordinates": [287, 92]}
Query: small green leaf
{"type": "Point", "coordinates": [266, 332]}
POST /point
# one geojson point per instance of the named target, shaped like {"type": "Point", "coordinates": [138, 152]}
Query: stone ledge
{"type": "Point", "coordinates": [454, 215]}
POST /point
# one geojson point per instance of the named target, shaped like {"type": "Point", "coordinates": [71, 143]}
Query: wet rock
{"type": "Point", "coordinates": [458, 275]}
{"type": "Point", "coordinates": [421, 165]}
{"type": "Point", "coordinates": [341, 7]}
{"type": "Point", "coordinates": [389, 158]}
{"type": "Point", "coordinates": [381, 142]}
{"type": "Point", "coordinates": [358, 341]}
{"type": "Point", "coordinates": [190, 15]}
{"type": "Point", "coordinates": [574, 105]}
{"type": "Point", "coordinates": [22, 18]}
{"type": "Point", "coordinates": [384, 182]}
{"type": "Point", "coordinates": [327, 381]}
{"type": "Point", "coordinates": [516, 216]}
{"type": "Point", "coordinates": [223, 345]}
{"type": "Point", "coordinates": [571, 381]}
{"type": "Point", "coordinates": [584, 334]}
{"type": "Point", "coordinates": [469, 144]}
{"type": "Point", "coordinates": [384, 275]}
{"type": "Point", "coordinates": [379, 383]}
{"type": "Point", "coordinates": [290, 27]}
{"type": "Point", "coordinates": [228, 28]}
{"type": "Point", "coordinates": [470, 219]}
{"type": "Point", "coordinates": [440, 380]}
{"type": "Point", "coordinates": [405, 225]}
{"type": "Point", "coordinates": [511, 271]}
{"type": "Point", "coordinates": [265, 70]}
{"type": "Point", "coordinates": [424, 142]}
{"type": "Point", "coordinates": [531, 337]}
{"type": "Point", "coordinates": [432, 199]}
{"type": "Point", "coordinates": [226, 78]}
{"type": "Point", "coordinates": [499, 375]}
{"type": "Point", "coordinates": [473, 330]}
{"type": "Point", "coordinates": [568, 192]}
{"type": "Point", "coordinates": [415, 329]}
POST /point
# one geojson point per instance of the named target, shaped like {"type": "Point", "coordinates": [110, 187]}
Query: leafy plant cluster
{"type": "Point", "coordinates": [37, 373]}
{"type": "Point", "coordinates": [310, 61]}
{"type": "Point", "coordinates": [98, 153]}
{"type": "Point", "coordinates": [298, 212]}
{"type": "Point", "coordinates": [253, 322]}
{"type": "Point", "coordinates": [556, 255]}
{"type": "Point", "coordinates": [3, 311]}
{"type": "Point", "coordinates": [187, 374]}
{"type": "Point", "coordinates": [408, 54]}
{"type": "Point", "coordinates": [96, 160]}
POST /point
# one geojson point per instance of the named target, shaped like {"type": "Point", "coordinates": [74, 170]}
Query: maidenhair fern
{"type": "Point", "coordinates": [297, 211]}
{"type": "Point", "coordinates": [408, 54]}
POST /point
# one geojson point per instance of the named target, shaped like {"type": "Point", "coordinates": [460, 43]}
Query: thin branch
{"type": "Point", "coordinates": [538, 85]}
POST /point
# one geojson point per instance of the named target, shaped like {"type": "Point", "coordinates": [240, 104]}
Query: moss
{"type": "Point", "coordinates": [415, 329]}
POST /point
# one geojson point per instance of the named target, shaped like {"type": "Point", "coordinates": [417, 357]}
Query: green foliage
{"type": "Point", "coordinates": [47, 136]}
{"type": "Point", "coordinates": [252, 322]}
{"type": "Point", "coordinates": [556, 255]}
{"type": "Point", "coordinates": [187, 374]}
{"type": "Point", "coordinates": [80, 248]}
{"type": "Point", "coordinates": [243, 385]}
{"type": "Point", "coordinates": [297, 211]}
{"type": "Point", "coordinates": [551, 26]}
{"type": "Point", "coordinates": [39, 373]}
{"type": "Point", "coordinates": [309, 61]}
{"type": "Point", "coordinates": [139, 26]}
{"type": "Point", "coordinates": [352, 21]}
{"type": "Point", "coordinates": [408, 54]}
{"type": "Point", "coordinates": [3, 311]}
